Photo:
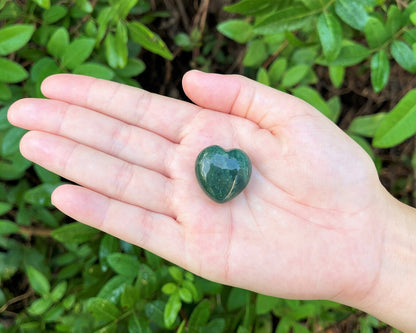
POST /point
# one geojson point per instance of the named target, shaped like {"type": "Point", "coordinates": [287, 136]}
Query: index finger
{"type": "Point", "coordinates": [162, 115]}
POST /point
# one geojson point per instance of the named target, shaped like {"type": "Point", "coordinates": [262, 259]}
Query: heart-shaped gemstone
{"type": "Point", "coordinates": [222, 174]}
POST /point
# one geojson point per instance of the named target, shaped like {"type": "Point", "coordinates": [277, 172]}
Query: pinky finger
{"type": "Point", "coordinates": [155, 232]}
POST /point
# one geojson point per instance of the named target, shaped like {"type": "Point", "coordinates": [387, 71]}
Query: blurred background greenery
{"type": "Point", "coordinates": [353, 60]}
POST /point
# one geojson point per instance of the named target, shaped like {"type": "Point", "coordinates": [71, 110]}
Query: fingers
{"type": "Point", "coordinates": [155, 232]}
{"type": "Point", "coordinates": [162, 115]}
{"type": "Point", "coordinates": [237, 95]}
{"type": "Point", "coordinates": [100, 172]}
{"type": "Point", "coordinates": [111, 136]}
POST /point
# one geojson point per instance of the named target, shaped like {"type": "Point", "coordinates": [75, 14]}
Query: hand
{"type": "Point", "coordinates": [306, 226]}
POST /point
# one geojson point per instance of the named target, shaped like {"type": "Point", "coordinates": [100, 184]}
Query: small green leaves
{"type": "Point", "coordinates": [375, 32]}
{"type": "Point", "coordinates": [330, 35]}
{"type": "Point", "coordinates": [172, 309]}
{"type": "Point", "coordinates": [404, 55]}
{"type": "Point", "coordinates": [58, 43]}
{"type": "Point", "coordinates": [148, 39]}
{"type": "Point", "coordinates": [239, 30]}
{"type": "Point", "coordinates": [124, 264]}
{"type": "Point", "coordinates": [380, 70]}
{"type": "Point", "coordinates": [352, 12]}
{"type": "Point", "coordinates": [351, 53]}
{"type": "Point", "coordinates": [77, 52]}
{"type": "Point", "coordinates": [74, 233]}
{"type": "Point", "coordinates": [54, 14]}
{"type": "Point", "coordinates": [103, 309]}
{"type": "Point", "coordinates": [8, 227]}
{"type": "Point", "coordinates": [14, 37]}
{"type": "Point", "coordinates": [43, 3]}
{"type": "Point", "coordinates": [399, 124]}
{"type": "Point", "coordinates": [11, 72]}
{"type": "Point", "coordinates": [287, 19]}
{"type": "Point", "coordinates": [38, 281]}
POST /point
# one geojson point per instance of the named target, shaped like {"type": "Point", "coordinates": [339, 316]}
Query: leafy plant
{"type": "Point", "coordinates": [58, 275]}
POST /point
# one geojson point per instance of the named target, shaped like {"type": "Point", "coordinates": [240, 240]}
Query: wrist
{"type": "Point", "coordinates": [392, 297]}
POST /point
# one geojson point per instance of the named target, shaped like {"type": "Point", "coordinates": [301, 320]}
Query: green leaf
{"type": "Point", "coordinates": [250, 7]}
{"type": "Point", "coordinates": [14, 37]}
{"type": "Point", "coordinates": [366, 125]}
{"type": "Point", "coordinates": [262, 76]}
{"type": "Point", "coordinates": [5, 92]}
{"type": "Point", "coordinates": [375, 32]}
{"type": "Point", "coordinates": [185, 295]}
{"type": "Point", "coordinates": [77, 52]}
{"type": "Point", "coordinates": [380, 70]}
{"type": "Point", "coordinates": [13, 166]}
{"type": "Point", "coordinates": [265, 304]}
{"type": "Point", "coordinates": [138, 324]}
{"type": "Point", "coordinates": [154, 311]}
{"type": "Point", "coordinates": [176, 273]}
{"type": "Point", "coordinates": [8, 227]}
{"type": "Point", "coordinates": [172, 308]}
{"type": "Point", "coordinates": [240, 31]}
{"type": "Point", "coordinates": [102, 309]}
{"type": "Point", "coordinates": [286, 19]}
{"type": "Point", "coordinates": [399, 124]}
{"type": "Point", "coordinates": [39, 306]}
{"type": "Point", "coordinates": [215, 325]}
{"type": "Point", "coordinates": [40, 195]}
{"type": "Point", "coordinates": [147, 281]}
{"type": "Point", "coordinates": [5, 207]}
{"type": "Point", "coordinates": [148, 39]}
{"type": "Point", "coordinates": [59, 291]}
{"type": "Point", "coordinates": [95, 70]}
{"type": "Point", "coordinates": [108, 244]}
{"type": "Point", "coordinates": [54, 14]}
{"type": "Point", "coordinates": [404, 55]}
{"type": "Point", "coordinates": [38, 281]}
{"type": "Point", "coordinates": [124, 264]}
{"type": "Point", "coordinates": [336, 74]}
{"type": "Point", "coordinates": [312, 97]}
{"type": "Point", "coordinates": [133, 67]}
{"type": "Point", "coordinates": [352, 12]}
{"type": "Point", "coordinates": [11, 139]}
{"type": "Point", "coordinates": [277, 69]}
{"type": "Point", "coordinates": [58, 43]}
{"type": "Point", "coordinates": [43, 3]}
{"type": "Point", "coordinates": [330, 35]}
{"type": "Point", "coordinates": [114, 288]}
{"type": "Point", "coordinates": [237, 298]}
{"type": "Point", "coordinates": [294, 75]}
{"type": "Point", "coordinates": [129, 297]}
{"type": "Point", "coordinates": [199, 316]}
{"type": "Point", "coordinates": [169, 288]}
{"type": "Point", "coordinates": [256, 54]}
{"type": "Point", "coordinates": [11, 72]}
{"type": "Point", "coordinates": [43, 68]}
{"type": "Point", "coordinates": [351, 54]}
{"type": "Point", "coordinates": [2, 298]}
{"type": "Point", "coordinates": [75, 232]}
{"type": "Point", "coordinates": [395, 19]}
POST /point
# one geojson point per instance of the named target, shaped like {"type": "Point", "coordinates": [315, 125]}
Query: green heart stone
{"type": "Point", "coordinates": [222, 174]}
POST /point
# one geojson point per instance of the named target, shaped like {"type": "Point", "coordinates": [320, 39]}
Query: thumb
{"type": "Point", "coordinates": [242, 97]}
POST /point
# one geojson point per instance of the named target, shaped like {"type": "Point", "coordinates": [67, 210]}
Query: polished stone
{"type": "Point", "coordinates": [222, 174]}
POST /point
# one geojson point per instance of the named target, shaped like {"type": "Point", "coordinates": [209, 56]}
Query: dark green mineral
{"type": "Point", "coordinates": [222, 174]}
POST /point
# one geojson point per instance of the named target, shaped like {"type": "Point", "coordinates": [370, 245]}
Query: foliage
{"type": "Point", "coordinates": [62, 276]}
{"type": "Point", "coordinates": [287, 39]}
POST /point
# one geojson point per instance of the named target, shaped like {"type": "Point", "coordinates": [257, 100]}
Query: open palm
{"type": "Point", "coordinates": [301, 228]}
